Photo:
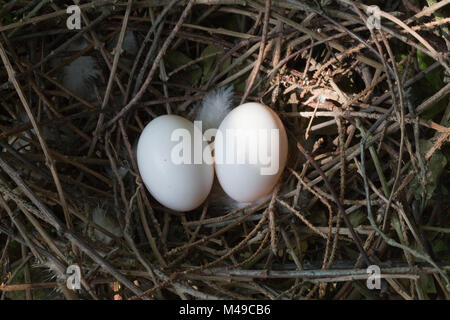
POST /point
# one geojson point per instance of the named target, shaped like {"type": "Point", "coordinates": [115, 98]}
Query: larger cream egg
{"type": "Point", "coordinates": [167, 163]}
{"type": "Point", "coordinates": [250, 152]}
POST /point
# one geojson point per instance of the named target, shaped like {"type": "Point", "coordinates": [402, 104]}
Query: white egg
{"type": "Point", "coordinates": [178, 185]}
{"type": "Point", "coordinates": [250, 152]}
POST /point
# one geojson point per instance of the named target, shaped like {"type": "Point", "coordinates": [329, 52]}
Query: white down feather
{"type": "Point", "coordinates": [215, 106]}
{"type": "Point", "coordinates": [80, 75]}
{"type": "Point", "coordinates": [105, 220]}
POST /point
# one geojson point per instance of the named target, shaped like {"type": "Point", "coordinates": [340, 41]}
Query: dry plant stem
{"type": "Point", "coordinates": [399, 209]}
{"type": "Point", "coordinates": [322, 275]}
{"type": "Point", "coordinates": [117, 52]}
{"type": "Point", "coordinates": [49, 160]}
{"type": "Point", "coordinates": [5, 248]}
{"type": "Point", "coordinates": [311, 120]}
{"type": "Point", "coordinates": [388, 16]}
{"type": "Point", "coordinates": [364, 114]}
{"type": "Point", "coordinates": [93, 4]}
{"type": "Point", "coordinates": [171, 281]}
{"type": "Point", "coordinates": [70, 59]}
{"type": "Point", "coordinates": [211, 236]}
{"type": "Point", "coordinates": [262, 46]}
{"type": "Point", "coordinates": [392, 33]}
{"type": "Point", "coordinates": [143, 196]}
{"type": "Point", "coordinates": [229, 253]}
{"type": "Point", "coordinates": [283, 62]}
{"type": "Point", "coordinates": [14, 273]}
{"type": "Point", "coordinates": [194, 235]}
{"type": "Point", "coordinates": [342, 189]}
{"type": "Point", "coordinates": [338, 202]}
{"type": "Point", "coordinates": [155, 24]}
{"type": "Point", "coordinates": [53, 109]}
{"type": "Point", "coordinates": [208, 265]}
{"type": "Point", "coordinates": [306, 7]}
{"type": "Point", "coordinates": [401, 115]}
{"type": "Point", "coordinates": [428, 10]}
{"type": "Point", "coordinates": [155, 65]}
{"type": "Point", "coordinates": [60, 228]}
{"type": "Point", "coordinates": [291, 250]}
{"type": "Point", "coordinates": [65, 90]}
{"type": "Point", "coordinates": [23, 232]}
{"type": "Point", "coordinates": [192, 62]}
{"type": "Point", "coordinates": [44, 285]}
{"type": "Point", "coordinates": [355, 150]}
{"type": "Point", "coordinates": [96, 267]}
{"type": "Point", "coordinates": [36, 250]}
{"type": "Point", "coordinates": [41, 252]}
{"type": "Point", "coordinates": [198, 249]}
{"type": "Point", "coordinates": [205, 14]}
{"type": "Point", "coordinates": [376, 160]}
{"type": "Point", "coordinates": [408, 83]}
{"type": "Point", "coordinates": [388, 240]}
{"type": "Point", "coordinates": [42, 232]}
{"type": "Point", "coordinates": [214, 76]}
{"type": "Point", "coordinates": [330, 214]}
{"type": "Point", "coordinates": [302, 218]}
{"type": "Point", "coordinates": [318, 37]}
{"type": "Point", "coordinates": [76, 164]}
{"type": "Point", "coordinates": [79, 35]}
{"type": "Point", "coordinates": [27, 274]}
{"type": "Point", "coordinates": [363, 170]}
{"type": "Point", "coordinates": [272, 222]}
{"type": "Point", "coordinates": [228, 218]}
{"type": "Point", "coordinates": [141, 74]}
{"type": "Point", "coordinates": [255, 255]}
{"type": "Point", "coordinates": [128, 206]}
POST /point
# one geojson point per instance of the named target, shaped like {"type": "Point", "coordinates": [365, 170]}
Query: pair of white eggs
{"type": "Point", "coordinates": [248, 155]}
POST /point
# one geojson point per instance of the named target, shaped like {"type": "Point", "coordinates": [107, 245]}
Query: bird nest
{"type": "Point", "coordinates": [362, 92]}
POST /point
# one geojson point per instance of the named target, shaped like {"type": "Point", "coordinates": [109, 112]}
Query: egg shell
{"type": "Point", "coordinates": [180, 187]}
{"type": "Point", "coordinates": [245, 182]}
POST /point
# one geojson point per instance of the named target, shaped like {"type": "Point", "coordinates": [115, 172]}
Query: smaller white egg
{"type": "Point", "coordinates": [177, 184]}
{"type": "Point", "coordinates": [250, 152]}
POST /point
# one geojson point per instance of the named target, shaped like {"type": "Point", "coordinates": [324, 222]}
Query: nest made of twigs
{"type": "Point", "coordinates": [366, 112]}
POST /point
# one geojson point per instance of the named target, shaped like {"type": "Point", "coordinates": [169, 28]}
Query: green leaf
{"type": "Point", "coordinates": [209, 64]}
{"type": "Point", "coordinates": [439, 246]}
{"type": "Point", "coordinates": [427, 282]}
{"type": "Point", "coordinates": [318, 218]}
{"type": "Point", "coordinates": [245, 255]}
{"type": "Point", "coordinates": [190, 76]}
{"type": "Point", "coordinates": [193, 77]}
{"type": "Point", "coordinates": [356, 218]}
{"type": "Point", "coordinates": [235, 22]}
{"type": "Point", "coordinates": [445, 191]}
{"type": "Point", "coordinates": [239, 84]}
{"type": "Point", "coordinates": [434, 170]}
{"type": "Point", "coordinates": [433, 77]}
{"type": "Point", "coordinates": [431, 84]}
{"type": "Point", "coordinates": [396, 225]}
{"type": "Point", "coordinates": [352, 254]}
{"type": "Point", "coordinates": [175, 59]}
{"type": "Point", "coordinates": [280, 252]}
